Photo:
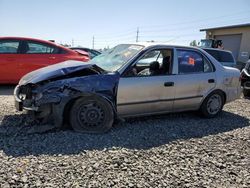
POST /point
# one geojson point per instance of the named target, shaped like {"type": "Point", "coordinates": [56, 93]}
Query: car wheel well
{"type": "Point", "coordinates": [71, 102]}
{"type": "Point", "coordinates": [208, 111]}
{"type": "Point", "coordinates": [91, 114]}
{"type": "Point", "coordinates": [66, 110]}
{"type": "Point", "coordinates": [218, 91]}
{"type": "Point", "coordinates": [223, 94]}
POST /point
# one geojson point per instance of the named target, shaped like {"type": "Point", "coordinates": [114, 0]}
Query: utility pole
{"type": "Point", "coordinates": [72, 43]}
{"type": "Point", "coordinates": [93, 42]}
{"type": "Point", "coordinates": [137, 35]}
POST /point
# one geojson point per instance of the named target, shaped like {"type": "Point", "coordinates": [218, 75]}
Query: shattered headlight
{"type": "Point", "coordinates": [20, 93]}
{"type": "Point", "coordinates": [22, 96]}
{"type": "Point", "coordinates": [23, 92]}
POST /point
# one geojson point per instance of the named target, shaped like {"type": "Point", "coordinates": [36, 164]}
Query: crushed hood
{"type": "Point", "coordinates": [54, 71]}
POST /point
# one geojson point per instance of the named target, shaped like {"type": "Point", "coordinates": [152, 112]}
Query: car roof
{"type": "Point", "coordinates": [154, 44]}
{"type": "Point", "coordinates": [33, 39]}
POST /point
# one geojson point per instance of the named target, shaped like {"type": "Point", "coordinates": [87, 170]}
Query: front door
{"type": "Point", "coordinates": [150, 86]}
{"type": "Point", "coordinates": [143, 95]}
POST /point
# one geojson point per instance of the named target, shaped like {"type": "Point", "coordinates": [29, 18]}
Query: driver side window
{"type": "Point", "coordinates": [152, 63]}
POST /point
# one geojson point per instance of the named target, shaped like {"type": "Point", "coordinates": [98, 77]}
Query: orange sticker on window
{"type": "Point", "coordinates": [191, 61]}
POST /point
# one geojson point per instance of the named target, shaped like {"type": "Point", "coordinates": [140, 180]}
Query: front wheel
{"type": "Point", "coordinates": [91, 115]}
{"type": "Point", "coordinates": [212, 105]}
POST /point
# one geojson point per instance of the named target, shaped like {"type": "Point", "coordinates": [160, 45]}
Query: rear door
{"type": "Point", "coordinates": [9, 61]}
{"type": "Point", "coordinates": [195, 78]}
{"type": "Point", "coordinates": [35, 55]}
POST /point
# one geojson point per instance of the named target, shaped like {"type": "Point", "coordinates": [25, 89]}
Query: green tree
{"type": "Point", "coordinates": [193, 43]}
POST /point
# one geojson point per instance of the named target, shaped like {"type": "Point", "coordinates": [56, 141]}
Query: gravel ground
{"type": "Point", "coordinates": [176, 150]}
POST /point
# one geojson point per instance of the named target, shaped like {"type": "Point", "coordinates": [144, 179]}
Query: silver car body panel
{"type": "Point", "coordinates": [147, 95]}
{"type": "Point", "coordinates": [139, 95]}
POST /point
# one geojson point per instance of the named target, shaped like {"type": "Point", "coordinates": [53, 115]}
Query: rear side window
{"type": "Point", "coordinates": [226, 57]}
{"type": "Point", "coordinates": [192, 62]}
{"type": "Point", "coordinates": [9, 47]}
{"type": "Point", "coordinates": [38, 48]}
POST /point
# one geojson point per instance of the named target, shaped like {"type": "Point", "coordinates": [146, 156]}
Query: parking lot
{"type": "Point", "coordinates": [169, 150]}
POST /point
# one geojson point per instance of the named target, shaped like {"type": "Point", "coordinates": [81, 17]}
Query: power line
{"type": "Point", "coordinates": [190, 27]}
{"type": "Point", "coordinates": [198, 20]}
{"type": "Point", "coordinates": [141, 33]}
{"type": "Point", "coordinates": [124, 33]}
{"type": "Point", "coordinates": [115, 38]}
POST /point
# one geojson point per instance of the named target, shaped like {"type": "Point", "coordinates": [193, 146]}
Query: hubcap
{"type": "Point", "coordinates": [90, 115]}
{"type": "Point", "coordinates": [214, 104]}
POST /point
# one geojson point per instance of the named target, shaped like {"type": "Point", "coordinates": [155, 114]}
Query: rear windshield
{"type": "Point", "coordinates": [226, 57]}
{"type": "Point", "coordinates": [213, 53]}
{"type": "Point", "coordinates": [221, 56]}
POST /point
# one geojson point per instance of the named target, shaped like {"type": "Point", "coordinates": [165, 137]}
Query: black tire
{"type": "Point", "coordinates": [246, 93]}
{"type": "Point", "coordinates": [212, 105]}
{"type": "Point", "coordinates": [91, 115]}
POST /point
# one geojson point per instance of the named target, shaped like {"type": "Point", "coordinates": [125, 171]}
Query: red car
{"type": "Point", "coordinates": [19, 56]}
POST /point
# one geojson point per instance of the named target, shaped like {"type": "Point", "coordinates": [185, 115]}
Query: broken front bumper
{"type": "Point", "coordinates": [18, 106]}
{"type": "Point", "coordinates": [18, 101]}
{"type": "Point", "coordinates": [24, 98]}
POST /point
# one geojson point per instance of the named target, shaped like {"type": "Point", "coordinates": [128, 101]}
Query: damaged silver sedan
{"type": "Point", "coordinates": [128, 80]}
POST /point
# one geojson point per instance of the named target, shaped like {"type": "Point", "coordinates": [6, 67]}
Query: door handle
{"type": "Point", "coordinates": [52, 57]}
{"type": "Point", "coordinates": [211, 81]}
{"type": "Point", "coordinates": [169, 84]}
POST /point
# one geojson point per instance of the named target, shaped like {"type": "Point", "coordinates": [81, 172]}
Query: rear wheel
{"type": "Point", "coordinates": [212, 105]}
{"type": "Point", "coordinates": [91, 115]}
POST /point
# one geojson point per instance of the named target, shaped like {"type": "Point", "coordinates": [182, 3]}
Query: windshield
{"type": "Point", "coordinates": [115, 58]}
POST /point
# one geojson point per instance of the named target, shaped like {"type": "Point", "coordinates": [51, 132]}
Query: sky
{"type": "Point", "coordinates": [111, 22]}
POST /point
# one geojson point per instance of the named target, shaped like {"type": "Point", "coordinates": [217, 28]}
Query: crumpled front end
{"type": "Point", "coordinates": [24, 97]}
{"type": "Point", "coordinates": [48, 99]}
